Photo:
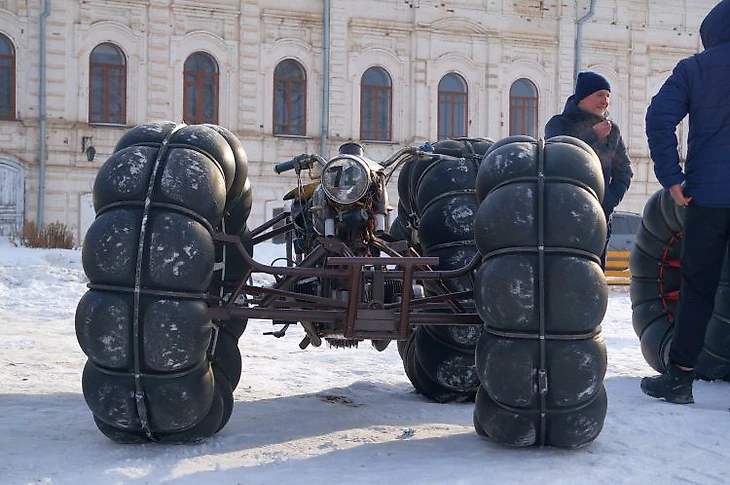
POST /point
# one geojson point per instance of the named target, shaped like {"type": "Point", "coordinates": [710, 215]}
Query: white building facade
{"type": "Point", "coordinates": [52, 51]}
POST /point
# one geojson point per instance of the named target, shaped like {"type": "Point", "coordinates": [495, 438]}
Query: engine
{"type": "Point", "coordinates": [349, 203]}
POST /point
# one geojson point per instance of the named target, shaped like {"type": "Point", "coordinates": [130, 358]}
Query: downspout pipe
{"type": "Point", "coordinates": [42, 151]}
{"type": "Point", "coordinates": [579, 38]}
{"type": "Point", "coordinates": [324, 132]}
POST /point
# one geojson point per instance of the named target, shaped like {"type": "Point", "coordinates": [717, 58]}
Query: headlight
{"type": "Point", "coordinates": [345, 179]}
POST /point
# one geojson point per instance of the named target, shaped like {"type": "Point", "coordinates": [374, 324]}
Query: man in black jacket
{"type": "Point", "coordinates": [698, 87]}
{"type": "Point", "coordinates": [585, 116]}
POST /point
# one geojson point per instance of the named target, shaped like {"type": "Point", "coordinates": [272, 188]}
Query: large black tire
{"type": "Point", "coordinates": [153, 372]}
{"type": "Point", "coordinates": [655, 288]}
{"type": "Point", "coordinates": [423, 381]}
{"type": "Point", "coordinates": [231, 265]}
{"type": "Point", "coordinates": [541, 293]}
{"type": "Point", "coordinates": [399, 231]}
{"type": "Point", "coordinates": [441, 204]}
{"type": "Point", "coordinates": [714, 361]}
{"type": "Point", "coordinates": [655, 277]}
{"type": "Point", "coordinates": [520, 427]}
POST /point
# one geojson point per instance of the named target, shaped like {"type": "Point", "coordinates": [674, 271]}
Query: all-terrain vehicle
{"type": "Point", "coordinates": [171, 268]}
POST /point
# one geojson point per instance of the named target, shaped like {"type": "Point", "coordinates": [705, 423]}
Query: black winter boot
{"type": "Point", "coordinates": [675, 386]}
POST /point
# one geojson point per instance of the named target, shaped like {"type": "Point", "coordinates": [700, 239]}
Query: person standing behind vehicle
{"type": "Point", "coordinates": [698, 86]}
{"type": "Point", "coordinates": [585, 117]}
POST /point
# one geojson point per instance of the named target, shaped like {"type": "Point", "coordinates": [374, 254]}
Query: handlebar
{"type": "Point", "coordinates": [284, 166]}
{"type": "Point", "coordinates": [298, 163]}
{"type": "Point", "coordinates": [306, 161]}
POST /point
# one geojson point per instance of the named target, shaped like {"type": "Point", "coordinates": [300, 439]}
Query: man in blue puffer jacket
{"type": "Point", "coordinates": [585, 117]}
{"type": "Point", "coordinates": [698, 86]}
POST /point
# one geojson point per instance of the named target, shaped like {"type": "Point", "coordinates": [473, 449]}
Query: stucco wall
{"type": "Point", "coordinates": [491, 43]}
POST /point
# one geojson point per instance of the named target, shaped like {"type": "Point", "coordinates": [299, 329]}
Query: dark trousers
{"type": "Point", "coordinates": [609, 229]}
{"type": "Point", "coordinates": [705, 240]}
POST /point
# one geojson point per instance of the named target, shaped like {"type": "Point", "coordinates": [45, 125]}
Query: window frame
{"type": "Point", "coordinates": [289, 86]}
{"type": "Point", "coordinates": [520, 107]}
{"type": "Point", "coordinates": [452, 99]}
{"type": "Point", "coordinates": [11, 108]}
{"type": "Point", "coordinates": [109, 73]}
{"type": "Point", "coordinates": [201, 82]}
{"type": "Point", "coordinates": [370, 96]}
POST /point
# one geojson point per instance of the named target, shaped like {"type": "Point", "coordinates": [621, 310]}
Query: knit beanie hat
{"type": "Point", "coordinates": [588, 83]}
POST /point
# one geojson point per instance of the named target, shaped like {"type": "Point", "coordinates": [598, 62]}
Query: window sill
{"type": "Point", "coordinates": [108, 125]}
{"type": "Point", "coordinates": [378, 142]}
{"type": "Point", "coordinates": [293, 137]}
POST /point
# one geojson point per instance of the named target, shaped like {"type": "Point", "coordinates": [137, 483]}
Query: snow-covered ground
{"type": "Point", "coordinates": [320, 415]}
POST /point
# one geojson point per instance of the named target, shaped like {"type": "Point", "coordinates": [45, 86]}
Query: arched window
{"type": "Point", "coordinates": [7, 79]}
{"type": "Point", "coordinates": [200, 89]}
{"type": "Point", "coordinates": [523, 108]}
{"type": "Point", "coordinates": [452, 114]}
{"type": "Point", "coordinates": [376, 94]}
{"type": "Point", "coordinates": [107, 85]}
{"type": "Point", "coordinates": [290, 98]}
